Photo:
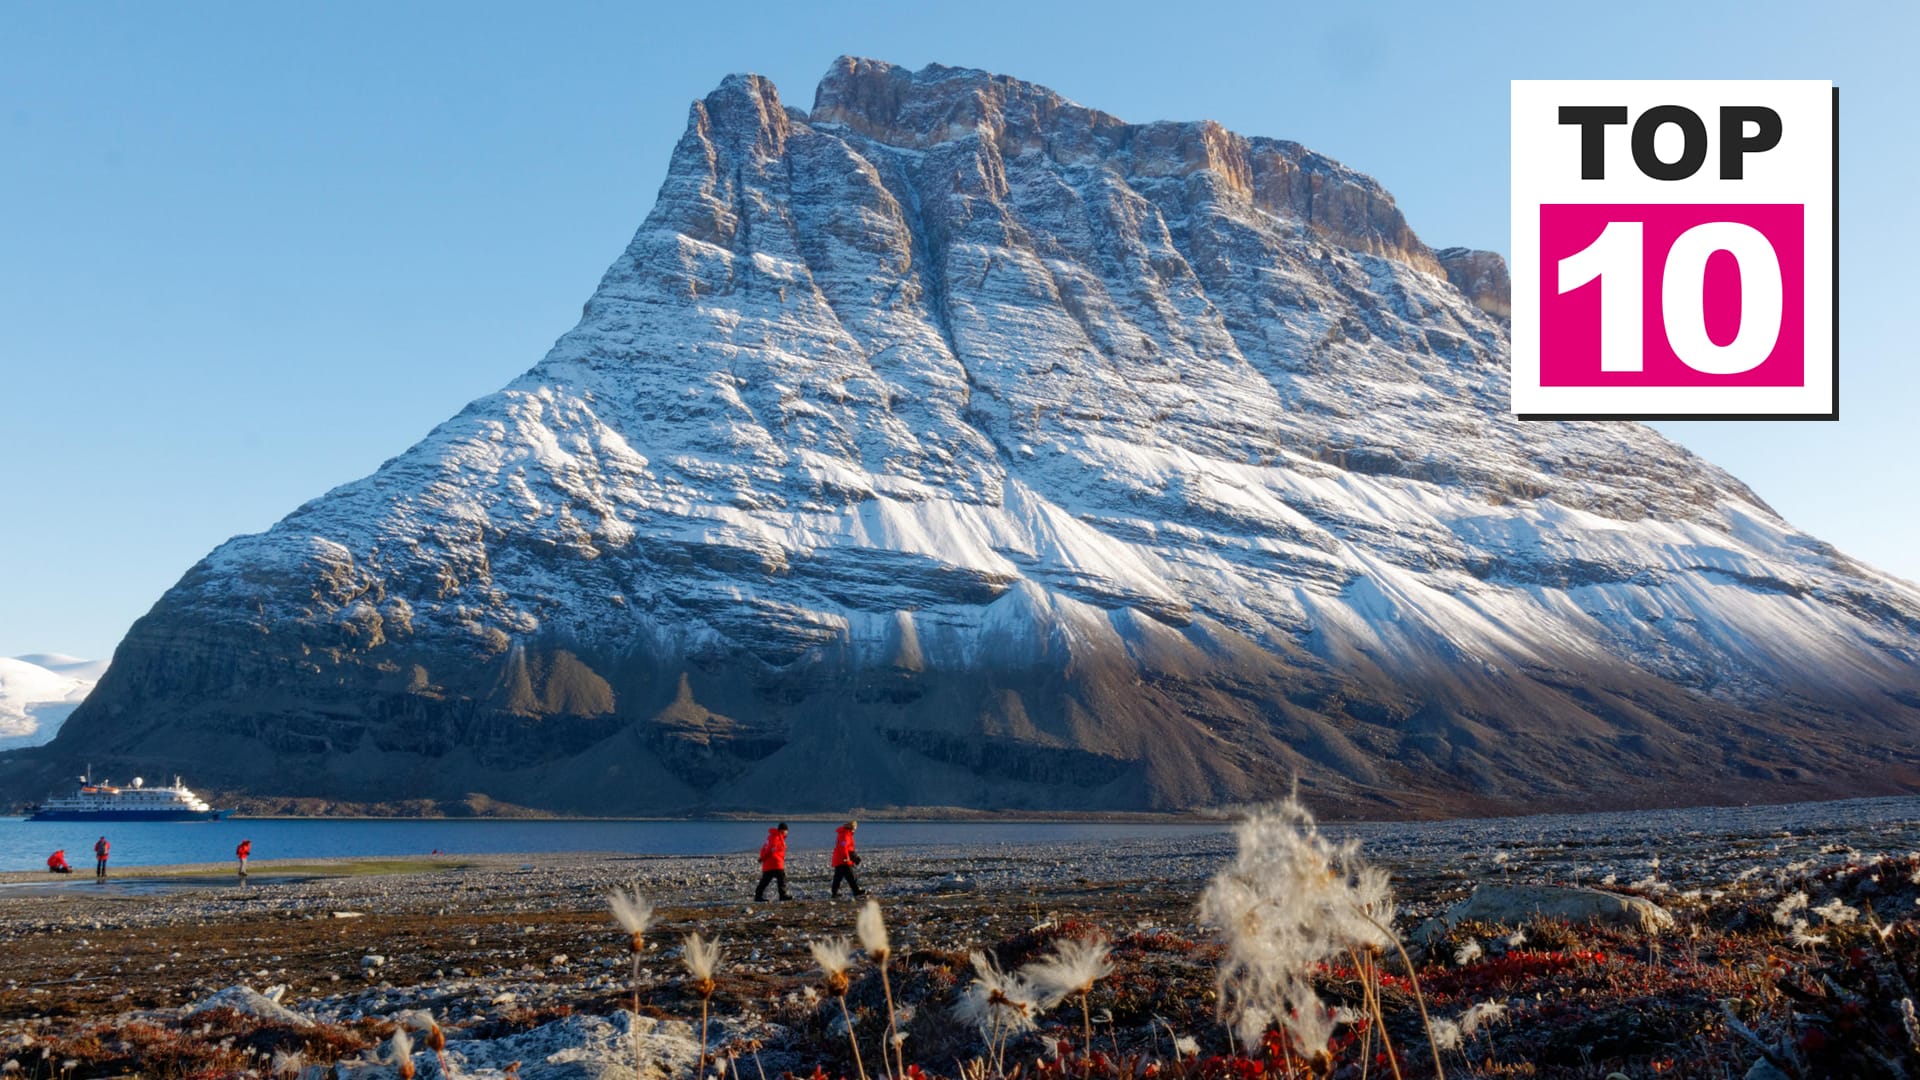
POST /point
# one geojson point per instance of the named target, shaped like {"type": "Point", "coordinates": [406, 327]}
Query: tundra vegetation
{"type": "Point", "coordinates": [1295, 956]}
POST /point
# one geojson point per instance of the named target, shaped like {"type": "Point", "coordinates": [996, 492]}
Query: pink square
{"type": "Point", "coordinates": [1570, 322]}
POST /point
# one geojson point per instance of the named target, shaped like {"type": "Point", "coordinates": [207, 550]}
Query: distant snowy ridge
{"type": "Point", "coordinates": [952, 443]}
{"type": "Point", "coordinates": [38, 692]}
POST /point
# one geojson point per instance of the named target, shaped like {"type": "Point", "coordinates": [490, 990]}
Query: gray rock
{"type": "Point", "coordinates": [1482, 276]}
{"type": "Point", "coordinates": [245, 999]}
{"type": "Point", "coordinates": [586, 1048]}
{"type": "Point", "coordinates": [1512, 905]}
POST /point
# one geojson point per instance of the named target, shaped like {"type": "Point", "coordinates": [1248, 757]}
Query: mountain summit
{"type": "Point", "coordinates": [954, 444]}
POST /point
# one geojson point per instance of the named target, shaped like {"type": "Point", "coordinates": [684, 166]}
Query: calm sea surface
{"type": "Point", "coordinates": [25, 845]}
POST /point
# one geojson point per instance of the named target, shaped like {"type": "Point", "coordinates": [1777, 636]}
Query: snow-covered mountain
{"type": "Point", "coordinates": [952, 443]}
{"type": "Point", "coordinates": [38, 692]}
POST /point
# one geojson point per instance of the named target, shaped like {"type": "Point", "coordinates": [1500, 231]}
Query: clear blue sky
{"type": "Point", "coordinates": [247, 252]}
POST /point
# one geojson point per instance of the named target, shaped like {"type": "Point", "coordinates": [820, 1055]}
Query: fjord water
{"type": "Point", "coordinates": [25, 845]}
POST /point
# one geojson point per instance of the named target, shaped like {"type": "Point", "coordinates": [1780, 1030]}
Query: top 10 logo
{"type": "Point", "coordinates": [1674, 249]}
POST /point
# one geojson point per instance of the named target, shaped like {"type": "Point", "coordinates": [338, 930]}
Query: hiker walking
{"type": "Point", "coordinates": [245, 849]}
{"type": "Point", "coordinates": [845, 859]}
{"type": "Point", "coordinates": [773, 862]}
{"type": "Point", "coordinates": [100, 850]}
{"type": "Point", "coordinates": [57, 863]}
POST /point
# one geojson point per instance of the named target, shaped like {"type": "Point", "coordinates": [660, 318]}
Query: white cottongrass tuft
{"type": "Point", "coordinates": [633, 912]}
{"type": "Point", "coordinates": [1517, 939]}
{"type": "Point", "coordinates": [1836, 913]}
{"type": "Point", "coordinates": [997, 1003]}
{"type": "Point", "coordinates": [1072, 968]}
{"type": "Point", "coordinates": [1468, 953]}
{"type": "Point", "coordinates": [1801, 938]}
{"type": "Point", "coordinates": [833, 955]}
{"type": "Point", "coordinates": [1783, 911]}
{"type": "Point", "coordinates": [286, 1063]}
{"type": "Point", "coordinates": [1446, 1035]}
{"type": "Point", "coordinates": [1482, 1014]}
{"type": "Point", "coordinates": [1290, 899]}
{"type": "Point", "coordinates": [872, 928]}
{"type": "Point", "coordinates": [701, 958]}
{"type": "Point", "coordinates": [400, 1052]}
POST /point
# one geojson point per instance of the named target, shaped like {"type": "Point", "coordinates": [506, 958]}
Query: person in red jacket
{"type": "Point", "coordinates": [773, 862]}
{"type": "Point", "coordinates": [100, 850]}
{"type": "Point", "coordinates": [845, 859]}
{"type": "Point", "coordinates": [57, 863]}
{"type": "Point", "coordinates": [245, 849]}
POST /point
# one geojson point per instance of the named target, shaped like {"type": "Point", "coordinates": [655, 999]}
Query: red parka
{"type": "Point", "coordinates": [58, 860]}
{"type": "Point", "coordinates": [245, 849]}
{"type": "Point", "coordinates": [101, 847]}
{"type": "Point", "coordinates": [773, 853]}
{"type": "Point", "coordinates": [843, 846]}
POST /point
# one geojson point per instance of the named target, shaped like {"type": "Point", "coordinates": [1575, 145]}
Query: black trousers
{"type": "Point", "coordinates": [100, 868]}
{"type": "Point", "coordinates": [845, 873]}
{"type": "Point", "coordinates": [766, 878]}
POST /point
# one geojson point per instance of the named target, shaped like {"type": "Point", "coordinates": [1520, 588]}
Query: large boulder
{"type": "Point", "coordinates": [1515, 904]}
{"type": "Point", "coordinates": [247, 1000]}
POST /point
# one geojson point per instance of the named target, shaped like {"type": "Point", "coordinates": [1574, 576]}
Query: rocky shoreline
{"type": "Point", "coordinates": [516, 958]}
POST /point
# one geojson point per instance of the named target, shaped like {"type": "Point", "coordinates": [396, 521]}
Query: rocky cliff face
{"type": "Point", "coordinates": [953, 444]}
{"type": "Point", "coordinates": [1481, 276]}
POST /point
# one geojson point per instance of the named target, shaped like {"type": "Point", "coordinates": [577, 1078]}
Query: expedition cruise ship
{"type": "Point", "coordinates": [103, 801]}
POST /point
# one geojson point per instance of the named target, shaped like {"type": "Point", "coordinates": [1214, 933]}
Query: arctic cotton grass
{"type": "Point", "coordinates": [835, 956]}
{"type": "Point", "coordinates": [1836, 913]}
{"type": "Point", "coordinates": [998, 999]}
{"type": "Point", "coordinates": [872, 928]}
{"type": "Point", "coordinates": [1783, 912]}
{"type": "Point", "coordinates": [422, 1021]}
{"type": "Point", "coordinates": [400, 1052]}
{"type": "Point", "coordinates": [701, 959]}
{"type": "Point", "coordinates": [1290, 899]}
{"type": "Point", "coordinates": [1481, 1014]}
{"type": "Point", "coordinates": [1072, 968]}
{"type": "Point", "coordinates": [1000, 1005]}
{"type": "Point", "coordinates": [634, 913]}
